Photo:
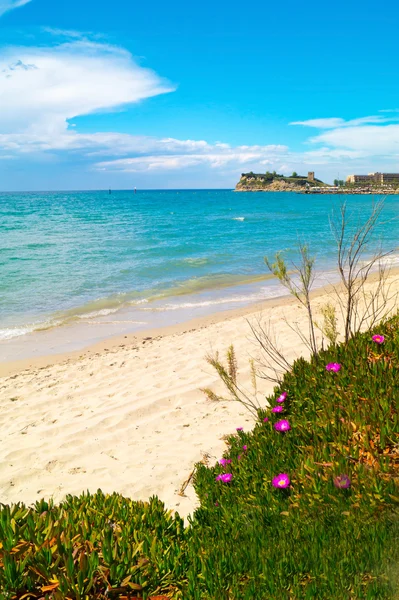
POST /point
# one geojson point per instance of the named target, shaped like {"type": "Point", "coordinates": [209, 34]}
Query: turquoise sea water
{"type": "Point", "coordinates": [68, 256]}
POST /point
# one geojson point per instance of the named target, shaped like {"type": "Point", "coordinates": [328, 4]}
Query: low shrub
{"type": "Point", "coordinates": [333, 530]}
{"type": "Point", "coordinates": [92, 546]}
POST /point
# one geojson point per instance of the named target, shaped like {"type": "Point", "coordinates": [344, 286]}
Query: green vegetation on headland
{"type": "Point", "coordinates": [331, 533]}
{"type": "Point", "coordinates": [256, 182]}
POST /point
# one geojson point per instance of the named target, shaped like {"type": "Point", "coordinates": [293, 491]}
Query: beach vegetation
{"type": "Point", "coordinates": [303, 506]}
{"type": "Point", "coordinates": [353, 304]}
{"type": "Point", "coordinates": [356, 262]}
{"type": "Point", "coordinates": [228, 375]}
{"type": "Point", "coordinates": [299, 286]}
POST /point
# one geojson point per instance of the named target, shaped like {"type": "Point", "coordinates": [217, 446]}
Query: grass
{"type": "Point", "coordinates": [248, 540]}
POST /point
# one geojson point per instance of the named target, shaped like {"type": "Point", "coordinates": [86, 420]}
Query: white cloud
{"type": "Point", "coordinates": [71, 79]}
{"type": "Point", "coordinates": [365, 143]}
{"type": "Point", "coordinates": [369, 140]}
{"type": "Point", "coordinates": [6, 5]}
{"type": "Point", "coordinates": [211, 155]}
{"type": "Point", "coordinates": [321, 123]}
{"type": "Point", "coordinates": [336, 122]}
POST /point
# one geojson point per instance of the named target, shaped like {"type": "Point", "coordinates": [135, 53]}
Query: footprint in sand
{"type": "Point", "coordinates": [51, 465]}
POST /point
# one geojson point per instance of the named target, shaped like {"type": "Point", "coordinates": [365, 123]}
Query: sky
{"type": "Point", "coordinates": [157, 95]}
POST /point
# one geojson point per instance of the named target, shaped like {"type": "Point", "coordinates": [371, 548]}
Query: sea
{"type": "Point", "coordinates": [128, 261]}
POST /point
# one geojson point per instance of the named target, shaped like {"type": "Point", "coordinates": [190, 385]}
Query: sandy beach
{"type": "Point", "coordinates": [127, 414]}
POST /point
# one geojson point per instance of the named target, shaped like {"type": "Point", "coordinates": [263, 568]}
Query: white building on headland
{"type": "Point", "coordinates": [375, 178]}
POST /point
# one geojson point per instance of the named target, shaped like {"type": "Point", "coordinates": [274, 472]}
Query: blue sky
{"type": "Point", "coordinates": [174, 95]}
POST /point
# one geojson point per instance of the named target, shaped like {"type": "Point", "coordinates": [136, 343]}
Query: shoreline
{"type": "Point", "coordinates": [112, 342]}
{"type": "Point", "coordinates": [109, 343]}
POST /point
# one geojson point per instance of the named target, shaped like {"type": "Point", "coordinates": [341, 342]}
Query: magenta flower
{"type": "Point", "coordinates": [277, 409]}
{"type": "Point", "coordinates": [245, 447]}
{"type": "Point", "coordinates": [224, 461]}
{"type": "Point", "coordinates": [281, 481]}
{"type": "Point", "coordinates": [282, 425]}
{"type": "Point", "coordinates": [342, 482]}
{"type": "Point", "coordinates": [240, 428]}
{"type": "Point", "coordinates": [265, 419]}
{"type": "Point", "coordinates": [378, 339]}
{"type": "Point", "coordinates": [333, 367]}
{"type": "Point", "coordinates": [239, 457]}
{"type": "Point", "coordinates": [282, 397]}
{"type": "Point", "coordinates": [225, 477]}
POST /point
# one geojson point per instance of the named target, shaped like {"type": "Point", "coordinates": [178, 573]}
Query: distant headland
{"type": "Point", "coordinates": [373, 183]}
{"type": "Point", "coordinates": [275, 182]}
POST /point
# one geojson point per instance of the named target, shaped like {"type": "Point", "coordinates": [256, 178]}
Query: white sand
{"type": "Point", "coordinates": [132, 418]}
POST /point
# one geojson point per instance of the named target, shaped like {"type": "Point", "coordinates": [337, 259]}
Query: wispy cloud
{"type": "Point", "coordinates": [335, 122]}
{"type": "Point", "coordinates": [370, 140]}
{"type": "Point", "coordinates": [6, 5]}
{"type": "Point", "coordinates": [211, 155]}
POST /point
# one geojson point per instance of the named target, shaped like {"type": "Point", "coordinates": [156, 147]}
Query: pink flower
{"type": "Point", "coordinates": [281, 481]}
{"type": "Point", "coordinates": [277, 409]}
{"type": "Point", "coordinates": [245, 447]}
{"type": "Point", "coordinates": [225, 477]}
{"type": "Point", "coordinates": [333, 367]}
{"type": "Point", "coordinates": [240, 428]}
{"type": "Point", "coordinates": [282, 425]}
{"type": "Point", "coordinates": [342, 482]}
{"type": "Point", "coordinates": [224, 461]}
{"type": "Point", "coordinates": [282, 397]}
{"type": "Point", "coordinates": [378, 339]}
{"type": "Point", "coordinates": [239, 457]}
{"type": "Point", "coordinates": [265, 419]}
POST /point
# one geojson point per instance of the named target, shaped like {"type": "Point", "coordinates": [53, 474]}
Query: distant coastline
{"type": "Point", "coordinates": [328, 190]}
{"type": "Point", "coordinates": [302, 184]}
{"type": "Point", "coordinates": [352, 191]}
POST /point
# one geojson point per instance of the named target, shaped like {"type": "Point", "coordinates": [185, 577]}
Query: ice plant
{"type": "Point", "coordinates": [342, 482]}
{"type": "Point", "coordinates": [277, 409]}
{"type": "Point", "coordinates": [282, 425]}
{"type": "Point", "coordinates": [281, 481]}
{"type": "Point", "coordinates": [245, 447]}
{"type": "Point", "coordinates": [378, 339]}
{"type": "Point", "coordinates": [224, 461]}
{"type": "Point", "coordinates": [225, 477]}
{"type": "Point", "coordinates": [282, 397]}
{"type": "Point", "coordinates": [240, 428]}
{"type": "Point", "coordinates": [333, 367]}
{"type": "Point", "coordinates": [265, 419]}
